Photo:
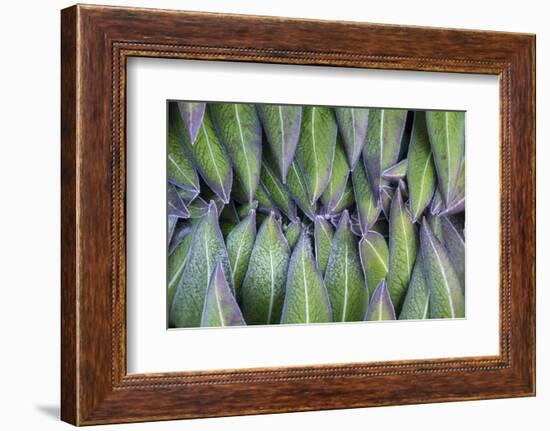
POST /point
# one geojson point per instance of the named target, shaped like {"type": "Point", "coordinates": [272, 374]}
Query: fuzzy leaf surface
{"type": "Point", "coordinates": [344, 276]}
{"type": "Point", "coordinates": [262, 292]}
{"type": "Point", "coordinates": [315, 150]}
{"type": "Point", "coordinates": [239, 129]}
{"type": "Point", "coordinates": [306, 298]}
{"type": "Point", "coordinates": [352, 123]}
{"type": "Point", "coordinates": [220, 308]}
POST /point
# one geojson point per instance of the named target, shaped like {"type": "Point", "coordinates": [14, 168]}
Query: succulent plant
{"type": "Point", "coordinates": [309, 214]}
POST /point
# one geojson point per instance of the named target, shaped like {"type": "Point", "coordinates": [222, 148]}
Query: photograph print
{"type": "Point", "coordinates": [287, 214]}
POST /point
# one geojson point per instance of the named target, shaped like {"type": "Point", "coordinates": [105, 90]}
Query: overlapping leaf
{"type": "Point", "coordinates": [382, 144]}
{"type": "Point", "coordinates": [396, 172]}
{"type": "Point", "coordinates": [180, 167]}
{"type": "Point", "coordinates": [374, 254]}
{"type": "Point", "coordinates": [421, 175]}
{"type": "Point", "coordinates": [262, 292]}
{"type": "Point", "coordinates": [336, 187]}
{"type": "Point", "coordinates": [455, 245]}
{"type": "Point", "coordinates": [352, 124]}
{"type": "Point", "coordinates": [292, 232]}
{"type": "Point", "coordinates": [211, 160]}
{"type": "Point", "coordinates": [416, 305]}
{"type": "Point", "coordinates": [344, 276]}
{"type": "Point", "coordinates": [281, 124]}
{"type": "Point", "coordinates": [296, 184]}
{"type": "Point", "coordinates": [276, 190]}
{"type": "Point", "coordinates": [403, 249]}
{"type": "Point", "coordinates": [192, 114]}
{"type": "Point", "coordinates": [380, 306]}
{"type": "Point", "coordinates": [207, 248]}
{"type": "Point", "coordinates": [446, 132]}
{"type": "Point", "coordinates": [446, 297]}
{"type": "Point", "coordinates": [367, 207]}
{"type": "Point", "coordinates": [315, 150]}
{"type": "Point", "coordinates": [323, 234]}
{"type": "Point", "coordinates": [239, 247]}
{"type": "Point", "coordinates": [240, 131]}
{"type": "Point", "coordinates": [306, 298]}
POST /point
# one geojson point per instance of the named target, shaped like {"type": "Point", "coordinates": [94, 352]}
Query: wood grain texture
{"type": "Point", "coordinates": [96, 42]}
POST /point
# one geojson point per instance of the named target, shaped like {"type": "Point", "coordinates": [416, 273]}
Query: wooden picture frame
{"type": "Point", "coordinates": [96, 41]}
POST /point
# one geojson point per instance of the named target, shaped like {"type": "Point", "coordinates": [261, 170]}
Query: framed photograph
{"type": "Point", "coordinates": [266, 215]}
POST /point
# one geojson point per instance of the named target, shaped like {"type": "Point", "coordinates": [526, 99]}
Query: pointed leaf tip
{"type": "Point", "coordinates": [207, 248]}
{"type": "Point", "coordinates": [220, 307]}
{"type": "Point", "coordinates": [403, 248]}
{"type": "Point", "coordinates": [446, 296]}
{"type": "Point", "coordinates": [344, 275]}
{"type": "Point", "coordinates": [380, 306]}
{"type": "Point", "coordinates": [306, 298]}
{"type": "Point", "coordinates": [262, 291]}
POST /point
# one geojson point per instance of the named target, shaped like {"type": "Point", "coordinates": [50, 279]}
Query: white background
{"type": "Point", "coordinates": [29, 220]}
{"type": "Point", "coordinates": [151, 348]}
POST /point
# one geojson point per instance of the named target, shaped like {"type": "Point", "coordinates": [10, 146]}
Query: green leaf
{"type": "Point", "coordinates": [192, 114]}
{"type": "Point", "coordinates": [382, 227]}
{"type": "Point", "coordinates": [197, 208]}
{"type": "Point", "coordinates": [176, 263]}
{"type": "Point", "coordinates": [263, 202]}
{"type": "Point", "coordinates": [262, 292]}
{"type": "Point", "coordinates": [315, 150]}
{"type": "Point", "coordinates": [296, 184]}
{"type": "Point", "coordinates": [346, 201]}
{"type": "Point", "coordinates": [172, 221]}
{"type": "Point", "coordinates": [446, 131]}
{"type": "Point", "coordinates": [352, 123]}
{"type": "Point", "coordinates": [403, 250]}
{"type": "Point", "coordinates": [239, 248]}
{"type": "Point", "coordinates": [292, 232]}
{"type": "Point", "coordinates": [244, 209]}
{"type": "Point", "coordinates": [458, 202]}
{"type": "Point", "coordinates": [416, 305]}
{"type": "Point", "coordinates": [374, 254]}
{"type": "Point", "coordinates": [276, 190]}
{"type": "Point", "coordinates": [380, 306]}
{"type": "Point", "coordinates": [344, 276]}
{"type": "Point", "coordinates": [306, 298]}
{"type": "Point", "coordinates": [207, 248]}
{"type": "Point", "coordinates": [336, 186]}
{"type": "Point", "coordinates": [436, 227]}
{"type": "Point", "coordinates": [186, 195]}
{"type": "Point", "coordinates": [175, 205]}
{"type": "Point", "coordinates": [386, 199]}
{"type": "Point", "coordinates": [179, 165]}
{"type": "Point", "coordinates": [437, 205]}
{"type": "Point", "coordinates": [323, 233]}
{"type": "Point", "coordinates": [240, 131]}
{"type": "Point", "coordinates": [454, 243]}
{"type": "Point", "coordinates": [421, 175]}
{"type": "Point", "coordinates": [382, 144]}
{"type": "Point", "coordinates": [367, 208]}
{"type": "Point", "coordinates": [211, 160]}
{"type": "Point", "coordinates": [220, 308]}
{"type": "Point", "coordinates": [282, 127]}
{"type": "Point", "coordinates": [446, 297]}
{"type": "Point", "coordinates": [396, 172]}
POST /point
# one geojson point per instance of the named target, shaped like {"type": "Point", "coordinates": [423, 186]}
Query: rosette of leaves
{"type": "Point", "coordinates": [283, 214]}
